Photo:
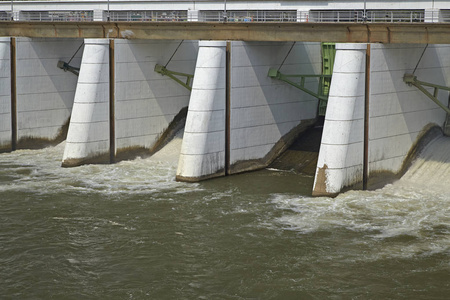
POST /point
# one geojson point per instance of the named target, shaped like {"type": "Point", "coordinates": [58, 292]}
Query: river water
{"type": "Point", "coordinates": [129, 231]}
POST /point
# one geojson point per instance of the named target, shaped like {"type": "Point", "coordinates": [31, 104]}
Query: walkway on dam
{"type": "Point", "coordinates": [388, 33]}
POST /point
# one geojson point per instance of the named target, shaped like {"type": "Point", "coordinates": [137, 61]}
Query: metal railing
{"type": "Point", "coordinates": [444, 15]}
{"type": "Point", "coordinates": [54, 16]}
{"type": "Point", "coordinates": [149, 16]}
{"type": "Point", "coordinates": [387, 16]}
{"type": "Point", "coordinates": [249, 16]}
{"type": "Point", "coordinates": [371, 16]}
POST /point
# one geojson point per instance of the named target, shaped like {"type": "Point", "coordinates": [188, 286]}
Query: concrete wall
{"type": "Point", "coordinates": [147, 102]}
{"type": "Point", "coordinates": [5, 95]}
{"type": "Point", "coordinates": [399, 114]}
{"type": "Point", "coordinates": [264, 110]}
{"type": "Point", "coordinates": [44, 92]}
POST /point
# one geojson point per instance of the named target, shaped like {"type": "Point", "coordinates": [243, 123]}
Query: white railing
{"type": "Point", "coordinates": [358, 16]}
{"type": "Point", "coordinates": [56, 16]}
{"type": "Point", "coordinates": [249, 16]}
{"type": "Point", "coordinates": [374, 16]}
{"type": "Point", "coordinates": [148, 16]}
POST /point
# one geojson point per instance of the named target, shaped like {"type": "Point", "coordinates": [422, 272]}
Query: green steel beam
{"type": "Point", "coordinates": [274, 73]}
{"type": "Point", "coordinates": [163, 71]}
{"type": "Point", "coordinates": [328, 55]}
{"type": "Point", "coordinates": [410, 79]}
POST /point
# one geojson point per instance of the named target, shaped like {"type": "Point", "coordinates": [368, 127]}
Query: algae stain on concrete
{"type": "Point", "coordinates": [30, 142]}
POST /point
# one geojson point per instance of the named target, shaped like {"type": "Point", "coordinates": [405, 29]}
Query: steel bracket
{"type": "Point", "coordinates": [274, 73]}
{"type": "Point", "coordinates": [66, 67]}
{"type": "Point", "coordinates": [411, 80]}
{"type": "Point", "coordinates": [172, 74]}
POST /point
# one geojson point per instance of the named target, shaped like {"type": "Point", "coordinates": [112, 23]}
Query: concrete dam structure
{"type": "Point", "coordinates": [112, 99]}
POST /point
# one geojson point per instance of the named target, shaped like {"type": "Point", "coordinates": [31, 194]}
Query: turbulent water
{"type": "Point", "coordinates": [129, 231]}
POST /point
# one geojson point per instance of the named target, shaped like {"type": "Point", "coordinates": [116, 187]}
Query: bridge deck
{"type": "Point", "coordinates": [432, 33]}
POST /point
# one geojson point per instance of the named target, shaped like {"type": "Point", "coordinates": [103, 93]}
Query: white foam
{"type": "Point", "coordinates": [40, 171]}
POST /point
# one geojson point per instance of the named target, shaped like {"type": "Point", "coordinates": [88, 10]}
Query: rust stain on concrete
{"type": "Point", "coordinates": [320, 188]}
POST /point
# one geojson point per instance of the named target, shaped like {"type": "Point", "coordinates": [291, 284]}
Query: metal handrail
{"type": "Point", "coordinates": [312, 16]}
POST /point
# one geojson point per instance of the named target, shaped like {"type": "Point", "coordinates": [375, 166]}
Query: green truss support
{"type": "Point", "coordinates": [410, 79]}
{"type": "Point", "coordinates": [328, 55]}
{"type": "Point", "coordinates": [163, 71]}
{"type": "Point", "coordinates": [274, 73]}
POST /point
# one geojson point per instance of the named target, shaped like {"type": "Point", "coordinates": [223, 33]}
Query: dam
{"type": "Point", "coordinates": [320, 126]}
{"type": "Point", "coordinates": [117, 82]}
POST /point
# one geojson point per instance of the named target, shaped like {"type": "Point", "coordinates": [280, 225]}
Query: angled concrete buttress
{"type": "Point", "coordinates": [88, 139]}
{"type": "Point", "coordinates": [203, 149]}
{"type": "Point", "coordinates": [341, 151]}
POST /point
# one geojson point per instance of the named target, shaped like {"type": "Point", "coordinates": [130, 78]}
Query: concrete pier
{"type": "Point", "coordinates": [340, 161]}
{"type": "Point", "coordinates": [398, 115]}
{"type": "Point", "coordinates": [203, 150]}
{"type": "Point", "coordinates": [88, 139]}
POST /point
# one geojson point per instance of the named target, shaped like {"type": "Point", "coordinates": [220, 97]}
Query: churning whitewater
{"type": "Point", "coordinates": [414, 208]}
{"type": "Point", "coordinates": [129, 230]}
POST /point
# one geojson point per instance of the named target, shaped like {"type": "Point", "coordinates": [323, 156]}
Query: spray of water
{"type": "Point", "coordinates": [415, 211]}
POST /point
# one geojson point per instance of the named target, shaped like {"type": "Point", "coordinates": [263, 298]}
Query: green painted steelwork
{"type": "Point", "coordinates": [274, 73]}
{"type": "Point", "coordinates": [163, 71]}
{"type": "Point", "coordinates": [410, 79]}
{"type": "Point", "coordinates": [328, 55]}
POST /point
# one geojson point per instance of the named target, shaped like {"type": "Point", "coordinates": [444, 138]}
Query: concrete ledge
{"type": "Point", "coordinates": [431, 33]}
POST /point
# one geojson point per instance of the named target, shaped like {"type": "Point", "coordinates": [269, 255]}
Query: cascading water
{"type": "Point", "coordinates": [129, 230]}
